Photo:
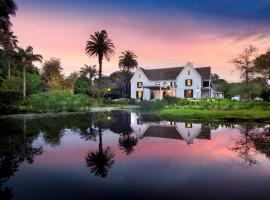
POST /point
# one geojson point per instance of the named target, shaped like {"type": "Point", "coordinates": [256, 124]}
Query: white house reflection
{"type": "Point", "coordinates": [170, 130]}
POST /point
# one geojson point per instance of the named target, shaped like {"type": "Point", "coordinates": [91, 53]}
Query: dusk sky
{"type": "Point", "coordinates": [162, 33]}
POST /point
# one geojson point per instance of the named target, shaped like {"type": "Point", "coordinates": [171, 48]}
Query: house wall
{"type": "Point", "coordinates": [138, 76]}
{"type": "Point", "coordinates": [196, 82]}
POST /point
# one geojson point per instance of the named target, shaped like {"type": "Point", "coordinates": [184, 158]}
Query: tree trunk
{"type": "Point", "coordinates": [100, 71]}
{"type": "Point", "coordinates": [100, 146]}
{"type": "Point", "coordinates": [8, 64]}
{"type": "Point", "coordinates": [24, 83]}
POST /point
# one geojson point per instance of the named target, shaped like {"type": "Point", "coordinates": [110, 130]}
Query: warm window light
{"type": "Point", "coordinates": [188, 82]}
{"type": "Point", "coordinates": [139, 94]}
{"type": "Point", "coordinates": [189, 93]}
{"type": "Point", "coordinates": [139, 84]}
{"type": "Point", "coordinates": [188, 125]}
{"type": "Point", "coordinates": [165, 84]}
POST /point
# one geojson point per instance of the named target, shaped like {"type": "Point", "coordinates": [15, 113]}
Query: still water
{"type": "Point", "coordinates": [122, 155]}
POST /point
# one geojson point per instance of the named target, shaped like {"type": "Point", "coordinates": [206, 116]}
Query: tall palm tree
{"type": "Point", "coordinates": [127, 143]}
{"type": "Point", "coordinates": [27, 57]}
{"type": "Point", "coordinates": [100, 45]}
{"type": "Point", "coordinates": [89, 71]}
{"type": "Point", "coordinates": [127, 61]}
{"type": "Point", "coordinates": [7, 8]}
{"type": "Point", "coordinates": [9, 42]}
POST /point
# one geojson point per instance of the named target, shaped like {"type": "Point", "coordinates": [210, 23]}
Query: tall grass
{"type": "Point", "coordinates": [58, 101]}
{"type": "Point", "coordinates": [204, 104]}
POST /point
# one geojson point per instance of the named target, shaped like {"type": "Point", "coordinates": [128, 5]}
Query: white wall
{"type": "Point", "coordinates": [196, 82]}
{"type": "Point", "coordinates": [138, 76]}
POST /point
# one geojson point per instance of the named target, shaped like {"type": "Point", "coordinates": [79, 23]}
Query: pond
{"type": "Point", "coordinates": [124, 155]}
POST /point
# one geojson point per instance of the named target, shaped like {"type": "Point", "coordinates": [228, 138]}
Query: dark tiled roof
{"type": "Point", "coordinates": [172, 73]}
{"type": "Point", "coordinates": [169, 132]}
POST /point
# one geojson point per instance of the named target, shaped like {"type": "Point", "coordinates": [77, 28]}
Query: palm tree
{"type": "Point", "coordinates": [100, 45]}
{"type": "Point", "coordinates": [101, 160]}
{"type": "Point", "coordinates": [127, 61]}
{"type": "Point", "coordinates": [9, 42]}
{"type": "Point", "coordinates": [127, 143]}
{"type": "Point", "coordinates": [89, 71]}
{"type": "Point", "coordinates": [27, 57]}
{"type": "Point", "coordinates": [7, 8]}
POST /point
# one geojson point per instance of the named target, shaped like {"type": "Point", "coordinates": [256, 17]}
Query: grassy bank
{"type": "Point", "coordinates": [225, 115]}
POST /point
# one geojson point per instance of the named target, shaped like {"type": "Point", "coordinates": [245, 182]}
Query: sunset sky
{"type": "Point", "coordinates": [162, 33]}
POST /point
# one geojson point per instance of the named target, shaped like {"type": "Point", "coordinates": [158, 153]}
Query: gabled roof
{"type": "Point", "coordinates": [169, 132]}
{"type": "Point", "coordinates": [173, 72]}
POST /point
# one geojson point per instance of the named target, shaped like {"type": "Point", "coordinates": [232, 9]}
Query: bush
{"type": "Point", "coordinates": [34, 83]}
{"type": "Point", "coordinates": [58, 101]}
{"type": "Point", "coordinates": [12, 84]}
{"type": "Point", "coordinates": [82, 86]}
{"type": "Point", "coordinates": [9, 101]}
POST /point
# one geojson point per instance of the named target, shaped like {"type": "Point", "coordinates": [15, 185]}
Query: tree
{"type": "Point", "coordinates": [12, 84]}
{"type": "Point", "coordinates": [9, 42]}
{"type": "Point", "coordinates": [69, 82]}
{"type": "Point", "coordinates": [52, 74]}
{"type": "Point", "coordinates": [33, 83]}
{"type": "Point", "coordinates": [82, 86]}
{"type": "Point", "coordinates": [7, 8]}
{"type": "Point", "coordinates": [89, 71]}
{"type": "Point", "coordinates": [27, 57]}
{"type": "Point", "coordinates": [127, 61]}
{"type": "Point", "coordinates": [245, 64]}
{"type": "Point", "coordinates": [100, 45]}
{"type": "Point", "coordinates": [262, 66]}
{"type": "Point", "coordinates": [214, 77]}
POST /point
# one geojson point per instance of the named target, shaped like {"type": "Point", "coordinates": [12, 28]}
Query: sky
{"type": "Point", "coordinates": [162, 33]}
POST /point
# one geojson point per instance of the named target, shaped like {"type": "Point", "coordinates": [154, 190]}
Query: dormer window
{"type": "Point", "coordinates": [189, 82]}
{"type": "Point", "coordinates": [205, 83]}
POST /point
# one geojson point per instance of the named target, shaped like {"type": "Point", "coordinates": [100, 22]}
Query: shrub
{"type": "Point", "coordinates": [12, 84]}
{"type": "Point", "coordinates": [82, 86]}
{"type": "Point", "coordinates": [58, 101]}
{"type": "Point", "coordinates": [9, 101]}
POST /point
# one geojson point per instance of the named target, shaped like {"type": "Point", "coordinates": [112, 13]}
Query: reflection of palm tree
{"type": "Point", "coordinates": [101, 160]}
{"type": "Point", "coordinates": [127, 143]}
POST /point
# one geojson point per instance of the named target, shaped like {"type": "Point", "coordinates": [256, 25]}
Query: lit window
{"type": "Point", "coordinates": [139, 84]}
{"type": "Point", "coordinates": [188, 93]}
{"type": "Point", "coordinates": [188, 125]}
{"type": "Point", "coordinates": [139, 94]}
{"type": "Point", "coordinates": [165, 84]}
{"type": "Point", "coordinates": [189, 82]}
{"type": "Point", "coordinates": [172, 83]}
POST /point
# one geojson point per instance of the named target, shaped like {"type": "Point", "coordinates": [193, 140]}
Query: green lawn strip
{"type": "Point", "coordinates": [176, 114]}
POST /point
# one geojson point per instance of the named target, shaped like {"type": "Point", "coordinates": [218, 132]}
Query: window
{"type": "Point", "coordinates": [205, 83]}
{"type": "Point", "coordinates": [188, 93]}
{"type": "Point", "coordinates": [189, 82]}
{"type": "Point", "coordinates": [139, 94]}
{"type": "Point", "coordinates": [172, 83]}
{"type": "Point", "coordinates": [188, 72]}
{"type": "Point", "coordinates": [164, 84]}
{"type": "Point", "coordinates": [188, 125]}
{"type": "Point", "coordinates": [139, 84]}
{"type": "Point", "coordinates": [139, 75]}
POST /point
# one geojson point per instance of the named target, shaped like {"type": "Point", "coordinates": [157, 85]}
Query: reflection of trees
{"type": "Point", "coordinates": [16, 148]}
{"type": "Point", "coordinates": [253, 137]}
{"type": "Point", "coordinates": [99, 161]}
{"type": "Point", "coordinates": [127, 143]}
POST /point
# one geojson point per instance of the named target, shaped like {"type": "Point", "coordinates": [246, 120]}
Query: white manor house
{"type": "Point", "coordinates": [183, 82]}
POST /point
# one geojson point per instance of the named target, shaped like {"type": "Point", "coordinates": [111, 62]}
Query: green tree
{"type": "Point", "coordinates": [127, 61]}
{"type": "Point", "coordinates": [33, 83]}
{"type": "Point", "coordinates": [262, 66]}
{"type": "Point", "coordinates": [82, 86]}
{"type": "Point", "coordinates": [52, 74]}
{"type": "Point", "coordinates": [89, 71]}
{"type": "Point", "coordinates": [27, 57]}
{"type": "Point", "coordinates": [7, 8]}
{"type": "Point", "coordinates": [100, 45]}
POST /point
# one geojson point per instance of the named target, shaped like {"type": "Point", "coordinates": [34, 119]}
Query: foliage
{"type": "Point", "coordinates": [9, 101]}
{"type": "Point", "coordinates": [89, 71]}
{"type": "Point", "coordinates": [82, 86]}
{"type": "Point", "coordinates": [127, 61]}
{"type": "Point", "coordinates": [265, 94]}
{"type": "Point", "coordinates": [58, 101]}
{"type": "Point", "coordinates": [34, 83]}
{"type": "Point", "coordinates": [52, 74]}
{"type": "Point", "coordinates": [12, 84]}
{"type": "Point", "coordinates": [100, 45]}
{"type": "Point", "coordinates": [8, 8]}
{"type": "Point", "coordinates": [262, 66]}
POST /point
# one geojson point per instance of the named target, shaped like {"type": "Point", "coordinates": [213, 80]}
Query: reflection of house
{"type": "Point", "coordinates": [178, 130]}
{"type": "Point", "coordinates": [182, 82]}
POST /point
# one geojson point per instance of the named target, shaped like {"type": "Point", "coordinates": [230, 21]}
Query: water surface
{"type": "Point", "coordinates": [122, 155]}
